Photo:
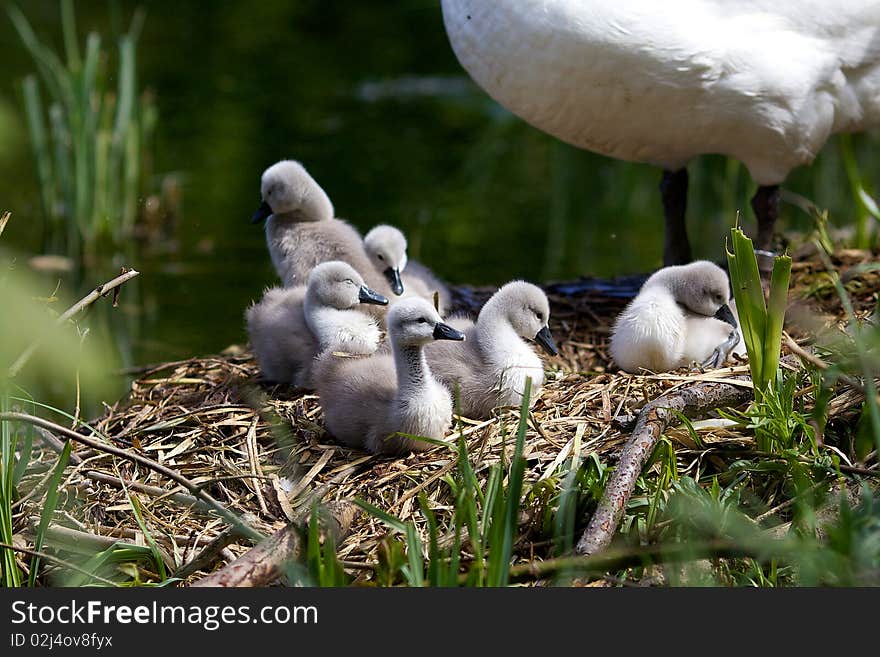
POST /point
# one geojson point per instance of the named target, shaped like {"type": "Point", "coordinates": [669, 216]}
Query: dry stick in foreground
{"type": "Point", "coordinates": [222, 511]}
{"type": "Point", "coordinates": [75, 309]}
{"type": "Point", "coordinates": [265, 562]}
{"type": "Point", "coordinates": [652, 421]}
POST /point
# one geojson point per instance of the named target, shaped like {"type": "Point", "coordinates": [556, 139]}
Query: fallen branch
{"type": "Point", "coordinates": [652, 421]}
{"type": "Point", "coordinates": [74, 310]}
{"type": "Point", "coordinates": [74, 540]}
{"type": "Point", "coordinates": [222, 511]}
{"type": "Point", "coordinates": [57, 445]}
{"type": "Point", "coordinates": [146, 489]}
{"type": "Point", "coordinates": [264, 563]}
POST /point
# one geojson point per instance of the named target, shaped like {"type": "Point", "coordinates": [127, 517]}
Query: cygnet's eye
{"type": "Point", "coordinates": [539, 315]}
{"type": "Point", "coordinates": [380, 256]}
{"type": "Point", "coordinates": [423, 320]}
{"type": "Point", "coordinates": [350, 282]}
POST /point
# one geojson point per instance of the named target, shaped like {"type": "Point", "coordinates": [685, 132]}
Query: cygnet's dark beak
{"type": "Point", "coordinates": [366, 295]}
{"type": "Point", "coordinates": [546, 341]}
{"type": "Point", "coordinates": [446, 332]}
{"type": "Point", "coordinates": [725, 314]}
{"type": "Point", "coordinates": [262, 213]}
{"type": "Point", "coordinates": [393, 276]}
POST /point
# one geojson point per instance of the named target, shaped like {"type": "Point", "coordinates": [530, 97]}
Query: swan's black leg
{"type": "Point", "coordinates": [673, 188]}
{"type": "Point", "coordinates": [765, 204]}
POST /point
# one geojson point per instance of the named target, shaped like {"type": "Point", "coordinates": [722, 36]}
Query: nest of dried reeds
{"type": "Point", "coordinates": [263, 451]}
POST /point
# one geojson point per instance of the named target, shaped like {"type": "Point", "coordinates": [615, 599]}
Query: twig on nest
{"type": "Point", "coordinates": [652, 421]}
{"type": "Point", "coordinates": [264, 563]}
{"type": "Point", "coordinates": [75, 309]}
{"type": "Point", "coordinates": [813, 359]}
{"type": "Point", "coordinates": [196, 490]}
{"type": "Point", "coordinates": [209, 554]}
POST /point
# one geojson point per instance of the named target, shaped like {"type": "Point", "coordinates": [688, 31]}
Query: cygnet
{"type": "Point", "coordinates": [681, 316]}
{"type": "Point", "coordinates": [490, 368]}
{"type": "Point", "coordinates": [301, 230]}
{"type": "Point", "coordinates": [387, 246]}
{"type": "Point", "coordinates": [383, 403]}
{"type": "Point", "coordinates": [289, 327]}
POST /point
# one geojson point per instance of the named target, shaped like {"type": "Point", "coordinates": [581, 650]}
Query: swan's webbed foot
{"type": "Point", "coordinates": [722, 351]}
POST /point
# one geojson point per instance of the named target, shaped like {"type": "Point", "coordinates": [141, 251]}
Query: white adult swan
{"type": "Point", "coordinates": [763, 81]}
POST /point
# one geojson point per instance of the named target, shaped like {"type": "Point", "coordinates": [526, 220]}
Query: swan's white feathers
{"type": "Point", "coordinates": [763, 81]}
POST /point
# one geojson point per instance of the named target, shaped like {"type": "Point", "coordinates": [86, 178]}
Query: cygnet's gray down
{"type": "Point", "coordinates": [387, 248]}
{"type": "Point", "coordinates": [301, 231]}
{"type": "Point", "coordinates": [490, 368]}
{"type": "Point", "coordinates": [383, 403]}
{"type": "Point", "coordinates": [289, 327]}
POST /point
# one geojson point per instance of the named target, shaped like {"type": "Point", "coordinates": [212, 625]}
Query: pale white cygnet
{"type": "Point", "coordinates": [301, 230]}
{"type": "Point", "coordinates": [681, 316]}
{"type": "Point", "coordinates": [490, 368]}
{"type": "Point", "coordinates": [289, 327]}
{"type": "Point", "coordinates": [386, 246]}
{"type": "Point", "coordinates": [382, 403]}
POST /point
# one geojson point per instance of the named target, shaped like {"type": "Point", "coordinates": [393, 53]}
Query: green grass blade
{"type": "Point", "coordinates": [416, 566]}
{"type": "Point", "coordinates": [40, 144]}
{"type": "Point", "coordinates": [865, 205]}
{"type": "Point", "coordinates": [53, 72]}
{"type": "Point", "coordinates": [502, 553]}
{"type": "Point", "coordinates": [125, 92]}
{"type": "Point", "coordinates": [384, 516]}
{"type": "Point", "coordinates": [434, 556]}
{"type": "Point", "coordinates": [68, 26]}
{"type": "Point", "coordinates": [313, 547]}
{"type": "Point", "coordinates": [11, 576]}
{"type": "Point", "coordinates": [154, 547]}
{"type": "Point", "coordinates": [48, 508]}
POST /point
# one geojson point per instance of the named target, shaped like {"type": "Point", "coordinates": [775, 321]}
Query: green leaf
{"type": "Point", "coordinates": [48, 508]}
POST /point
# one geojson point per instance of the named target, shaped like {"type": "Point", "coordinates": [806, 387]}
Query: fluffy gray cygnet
{"type": "Point", "coordinates": [384, 402]}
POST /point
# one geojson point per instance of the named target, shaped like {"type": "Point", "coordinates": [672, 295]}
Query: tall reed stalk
{"type": "Point", "coordinates": [760, 321]}
{"type": "Point", "coordinates": [866, 208]}
{"type": "Point", "coordinates": [87, 137]}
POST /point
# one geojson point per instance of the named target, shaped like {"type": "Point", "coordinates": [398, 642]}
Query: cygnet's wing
{"type": "Point", "coordinates": [649, 333]}
{"type": "Point", "coordinates": [303, 245]}
{"type": "Point", "coordinates": [280, 338]}
{"type": "Point", "coordinates": [356, 394]}
{"type": "Point", "coordinates": [425, 283]}
{"type": "Point", "coordinates": [462, 368]}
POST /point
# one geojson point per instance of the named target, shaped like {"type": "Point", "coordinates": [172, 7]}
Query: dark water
{"type": "Point", "coordinates": [370, 97]}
